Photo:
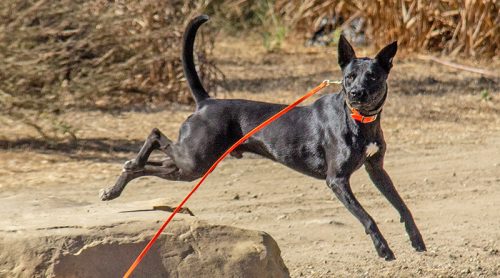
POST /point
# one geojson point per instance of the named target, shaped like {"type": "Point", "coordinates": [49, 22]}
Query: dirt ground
{"type": "Point", "coordinates": [442, 127]}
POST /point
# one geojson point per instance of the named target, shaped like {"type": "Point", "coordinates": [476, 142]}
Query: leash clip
{"type": "Point", "coordinates": [329, 82]}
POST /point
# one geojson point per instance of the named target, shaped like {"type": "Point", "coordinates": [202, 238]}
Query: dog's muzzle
{"type": "Point", "coordinates": [358, 95]}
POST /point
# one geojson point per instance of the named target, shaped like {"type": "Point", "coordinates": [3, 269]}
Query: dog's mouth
{"type": "Point", "coordinates": [359, 104]}
{"type": "Point", "coordinates": [367, 105]}
{"type": "Point", "coordinates": [356, 103]}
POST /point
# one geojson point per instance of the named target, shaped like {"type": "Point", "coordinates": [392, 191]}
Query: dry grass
{"type": "Point", "coordinates": [456, 27]}
{"type": "Point", "coordinates": [98, 53]}
{"type": "Point", "coordinates": [468, 27]}
{"type": "Point", "coordinates": [103, 54]}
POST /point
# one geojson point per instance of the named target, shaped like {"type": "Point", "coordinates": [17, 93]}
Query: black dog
{"type": "Point", "coordinates": [328, 140]}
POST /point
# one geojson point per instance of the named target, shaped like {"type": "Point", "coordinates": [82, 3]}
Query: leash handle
{"type": "Point", "coordinates": [228, 151]}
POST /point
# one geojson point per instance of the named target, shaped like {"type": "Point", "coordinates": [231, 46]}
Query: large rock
{"type": "Point", "coordinates": [188, 248]}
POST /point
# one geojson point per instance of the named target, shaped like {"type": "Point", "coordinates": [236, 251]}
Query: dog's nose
{"type": "Point", "coordinates": [358, 94]}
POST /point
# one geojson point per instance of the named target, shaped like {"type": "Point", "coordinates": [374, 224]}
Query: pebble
{"type": "Point", "coordinates": [281, 217]}
{"type": "Point", "coordinates": [465, 271]}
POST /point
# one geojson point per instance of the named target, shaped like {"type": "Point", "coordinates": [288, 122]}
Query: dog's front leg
{"type": "Point", "coordinates": [342, 189]}
{"type": "Point", "coordinates": [375, 169]}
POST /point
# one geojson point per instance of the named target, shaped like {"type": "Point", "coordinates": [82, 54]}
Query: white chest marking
{"type": "Point", "coordinates": [371, 149]}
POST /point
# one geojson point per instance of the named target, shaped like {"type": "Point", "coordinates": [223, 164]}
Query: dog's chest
{"type": "Point", "coordinates": [371, 149]}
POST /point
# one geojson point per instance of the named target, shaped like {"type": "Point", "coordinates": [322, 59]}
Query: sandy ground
{"type": "Point", "coordinates": [443, 155]}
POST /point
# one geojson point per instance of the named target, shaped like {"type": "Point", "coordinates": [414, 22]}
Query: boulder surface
{"type": "Point", "coordinates": [188, 248]}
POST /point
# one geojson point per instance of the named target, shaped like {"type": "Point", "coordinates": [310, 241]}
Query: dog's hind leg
{"type": "Point", "coordinates": [342, 189]}
{"type": "Point", "coordinates": [140, 166]}
{"type": "Point", "coordinates": [155, 141]}
{"type": "Point", "coordinates": [168, 170]}
{"type": "Point", "coordinates": [383, 182]}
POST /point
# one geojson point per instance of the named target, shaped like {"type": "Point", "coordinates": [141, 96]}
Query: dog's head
{"type": "Point", "coordinates": [364, 79]}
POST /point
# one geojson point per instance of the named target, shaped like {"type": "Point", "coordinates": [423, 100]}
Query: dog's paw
{"type": "Point", "coordinates": [385, 252]}
{"type": "Point", "coordinates": [419, 244]}
{"type": "Point", "coordinates": [130, 166]}
{"type": "Point", "coordinates": [389, 255]}
{"type": "Point", "coordinates": [107, 194]}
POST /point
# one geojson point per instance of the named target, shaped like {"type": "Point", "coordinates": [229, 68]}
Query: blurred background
{"type": "Point", "coordinates": [59, 56]}
{"type": "Point", "coordinates": [83, 82]}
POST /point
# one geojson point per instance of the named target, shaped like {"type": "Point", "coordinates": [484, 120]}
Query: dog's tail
{"type": "Point", "coordinates": [192, 77]}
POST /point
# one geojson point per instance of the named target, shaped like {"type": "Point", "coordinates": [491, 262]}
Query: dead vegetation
{"type": "Point", "coordinates": [99, 54]}
{"type": "Point", "coordinates": [94, 54]}
{"type": "Point", "coordinates": [469, 28]}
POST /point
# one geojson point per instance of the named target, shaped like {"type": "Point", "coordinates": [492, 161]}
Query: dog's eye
{"type": "Point", "coordinates": [371, 76]}
{"type": "Point", "coordinates": [351, 77]}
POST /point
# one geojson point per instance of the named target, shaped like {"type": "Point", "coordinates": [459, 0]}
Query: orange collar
{"type": "Point", "coordinates": [360, 118]}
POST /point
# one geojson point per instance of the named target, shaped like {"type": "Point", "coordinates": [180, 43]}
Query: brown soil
{"type": "Point", "coordinates": [442, 127]}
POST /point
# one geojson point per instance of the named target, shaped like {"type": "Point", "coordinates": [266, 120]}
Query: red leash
{"type": "Point", "coordinates": [234, 146]}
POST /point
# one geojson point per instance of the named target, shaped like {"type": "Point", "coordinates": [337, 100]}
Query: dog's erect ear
{"type": "Point", "coordinates": [345, 52]}
{"type": "Point", "coordinates": [385, 56]}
